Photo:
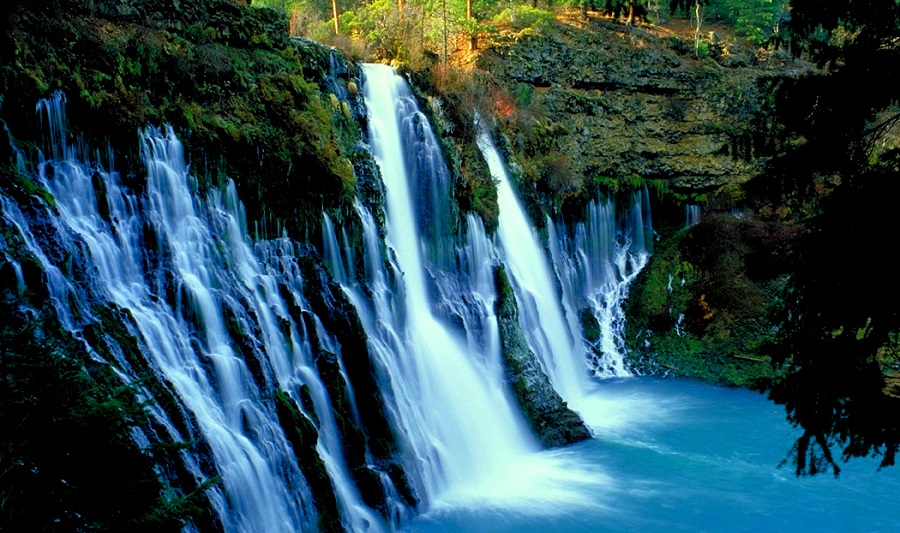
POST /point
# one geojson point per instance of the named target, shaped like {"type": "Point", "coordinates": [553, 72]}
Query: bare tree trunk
{"type": "Point", "coordinates": [630, 19]}
{"type": "Point", "coordinates": [697, 33]}
{"type": "Point", "coordinates": [334, 13]}
{"type": "Point", "coordinates": [400, 6]}
{"type": "Point", "coordinates": [473, 38]}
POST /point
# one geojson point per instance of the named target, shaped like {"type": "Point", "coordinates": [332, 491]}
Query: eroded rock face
{"type": "Point", "coordinates": [550, 418]}
{"type": "Point", "coordinates": [623, 101]}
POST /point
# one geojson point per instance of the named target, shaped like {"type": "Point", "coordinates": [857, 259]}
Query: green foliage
{"type": "Point", "coordinates": [701, 308]}
{"type": "Point", "coordinates": [613, 186]}
{"type": "Point", "coordinates": [523, 94]}
{"type": "Point", "coordinates": [226, 77]}
{"type": "Point", "coordinates": [702, 49]}
{"type": "Point", "coordinates": [525, 17]}
{"type": "Point", "coordinates": [69, 462]}
{"type": "Point", "coordinates": [839, 316]}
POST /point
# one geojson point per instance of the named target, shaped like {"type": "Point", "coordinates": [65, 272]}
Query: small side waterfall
{"type": "Point", "coordinates": [692, 214]}
{"type": "Point", "coordinates": [593, 264]}
{"type": "Point", "coordinates": [596, 261]}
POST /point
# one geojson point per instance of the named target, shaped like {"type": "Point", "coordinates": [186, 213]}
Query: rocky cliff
{"type": "Point", "coordinates": [593, 100]}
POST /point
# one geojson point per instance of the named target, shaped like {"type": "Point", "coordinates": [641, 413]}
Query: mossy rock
{"type": "Point", "coordinates": [302, 435]}
{"type": "Point", "coordinates": [244, 98]}
{"type": "Point", "coordinates": [550, 418]}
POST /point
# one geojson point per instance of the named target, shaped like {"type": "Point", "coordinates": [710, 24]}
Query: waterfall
{"type": "Point", "coordinates": [691, 215]}
{"type": "Point", "coordinates": [592, 267]}
{"type": "Point", "coordinates": [209, 309]}
{"type": "Point", "coordinates": [597, 261]}
{"type": "Point", "coordinates": [426, 299]}
{"type": "Point", "coordinates": [223, 324]}
{"type": "Point", "coordinates": [543, 320]}
{"type": "Point", "coordinates": [450, 410]}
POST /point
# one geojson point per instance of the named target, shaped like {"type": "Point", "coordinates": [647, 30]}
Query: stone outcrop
{"type": "Point", "coordinates": [622, 101]}
{"type": "Point", "coordinates": [547, 414]}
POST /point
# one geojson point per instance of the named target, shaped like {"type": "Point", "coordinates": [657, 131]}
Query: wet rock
{"type": "Point", "coordinates": [548, 415]}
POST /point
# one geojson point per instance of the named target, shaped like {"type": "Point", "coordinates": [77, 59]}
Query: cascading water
{"type": "Point", "coordinates": [691, 215]}
{"type": "Point", "coordinates": [450, 410]}
{"type": "Point", "coordinates": [543, 320]}
{"type": "Point", "coordinates": [593, 266]}
{"type": "Point", "coordinates": [160, 257]}
{"type": "Point", "coordinates": [596, 261]}
{"type": "Point", "coordinates": [432, 330]}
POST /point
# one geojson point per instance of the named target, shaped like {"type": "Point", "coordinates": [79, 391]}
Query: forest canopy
{"type": "Point", "coordinates": [404, 29]}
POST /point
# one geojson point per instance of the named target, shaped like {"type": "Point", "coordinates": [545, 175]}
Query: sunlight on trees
{"type": "Point", "coordinates": [403, 30]}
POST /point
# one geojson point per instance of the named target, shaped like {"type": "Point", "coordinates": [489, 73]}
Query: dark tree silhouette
{"type": "Point", "coordinates": [841, 310]}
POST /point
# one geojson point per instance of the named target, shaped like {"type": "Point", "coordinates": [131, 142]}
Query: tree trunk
{"type": "Point", "coordinates": [697, 33]}
{"type": "Point", "coordinates": [334, 13]}
{"type": "Point", "coordinates": [630, 19]}
{"type": "Point", "coordinates": [446, 32]}
{"type": "Point", "coordinates": [473, 38]}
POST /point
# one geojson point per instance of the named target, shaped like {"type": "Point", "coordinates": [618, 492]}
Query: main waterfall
{"type": "Point", "coordinates": [459, 410]}
{"type": "Point", "coordinates": [430, 318]}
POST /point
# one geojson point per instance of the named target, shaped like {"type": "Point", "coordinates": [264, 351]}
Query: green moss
{"type": "Point", "coordinates": [65, 414]}
{"type": "Point", "coordinates": [302, 435]}
{"type": "Point", "coordinates": [550, 419]}
{"type": "Point", "coordinates": [702, 307]}
{"type": "Point", "coordinates": [226, 77]}
{"type": "Point", "coordinates": [26, 185]}
{"type": "Point", "coordinates": [590, 326]}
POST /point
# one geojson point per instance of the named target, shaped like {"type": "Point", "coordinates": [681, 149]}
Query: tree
{"type": "Point", "coordinates": [694, 8]}
{"type": "Point", "coordinates": [631, 8]}
{"type": "Point", "coordinates": [334, 15]}
{"type": "Point", "coordinates": [837, 348]}
{"type": "Point", "coordinates": [470, 19]}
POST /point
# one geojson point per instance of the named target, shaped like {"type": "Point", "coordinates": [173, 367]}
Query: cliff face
{"type": "Point", "coordinates": [588, 106]}
{"type": "Point", "coordinates": [621, 101]}
{"type": "Point", "coordinates": [272, 113]}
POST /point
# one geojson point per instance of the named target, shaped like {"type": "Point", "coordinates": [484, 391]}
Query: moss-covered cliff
{"type": "Point", "coordinates": [585, 104]}
{"type": "Point", "coordinates": [248, 102]}
{"type": "Point", "coordinates": [550, 418]}
{"type": "Point", "coordinates": [703, 306]}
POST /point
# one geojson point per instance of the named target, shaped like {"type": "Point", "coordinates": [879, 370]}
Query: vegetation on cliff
{"type": "Point", "coordinates": [703, 307]}
{"type": "Point", "coordinates": [227, 77]}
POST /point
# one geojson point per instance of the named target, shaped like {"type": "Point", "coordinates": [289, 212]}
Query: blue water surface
{"type": "Point", "coordinates": [678, 455]}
